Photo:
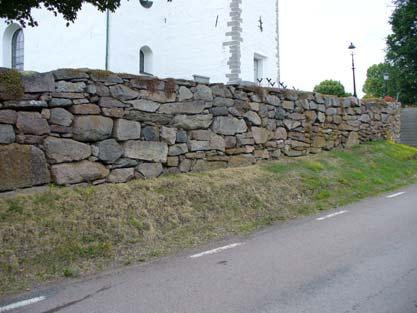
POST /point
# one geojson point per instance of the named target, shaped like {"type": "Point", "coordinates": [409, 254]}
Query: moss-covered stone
{"type": "Point", "coordinates": [11, 85]}
{"type": "Point", "coordinates": [70, 74]}
{"type": "Point", "coordinates": [105, 76]}
{"type": "Point", "coordinates": [101, 73]}
{"type": "Point", "coordinates": [170, 86]}
{"type": "Point", "coordinates": [22, 166]}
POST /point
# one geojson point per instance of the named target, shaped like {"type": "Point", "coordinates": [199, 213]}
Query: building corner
{"type": "Point", "coordinates": [234, 40]}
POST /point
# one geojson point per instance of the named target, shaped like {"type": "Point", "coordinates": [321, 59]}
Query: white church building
{"type": "Point", "coordinates": [224, 40]}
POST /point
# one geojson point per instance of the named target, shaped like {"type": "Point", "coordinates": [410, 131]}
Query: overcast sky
{"type": "Point", "coordinates": [315, 36]}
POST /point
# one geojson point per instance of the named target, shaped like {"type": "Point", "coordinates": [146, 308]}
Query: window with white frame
{"type": "Point", "coordinates": [259, 62]}
{"type": "Point", "coordinates": [145, 61]}
{"type": "Point", "coordinates": [18, 50]}
{"type": "Point", "coordinates": [257, 68]}
{"type": "Point", "coordinates": [141, 62]}
{"type": "Point", "coordinates": [256, 73]}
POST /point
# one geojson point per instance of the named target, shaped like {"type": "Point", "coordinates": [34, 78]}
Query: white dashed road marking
{"type": "Point", "coordinates": [20, 304]}
{"type": "Point", "coordinates": [331, 215]}
{"type": "Point", "coordinates": [218, 250]}
{"type": "Point", "coordinates": [27, 302]}
{"type": "Point", "coordinates": [395, 195]}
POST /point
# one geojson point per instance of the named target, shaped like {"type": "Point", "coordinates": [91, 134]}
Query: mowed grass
{"type": "Point", "coordinates": [69, 232]}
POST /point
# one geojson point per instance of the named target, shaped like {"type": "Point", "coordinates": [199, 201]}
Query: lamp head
{"type": "Point", "coordinates": [352, 46]}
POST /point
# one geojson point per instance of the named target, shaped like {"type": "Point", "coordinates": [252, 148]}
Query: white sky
{"type": "Point", "coordinates": [315, 35]}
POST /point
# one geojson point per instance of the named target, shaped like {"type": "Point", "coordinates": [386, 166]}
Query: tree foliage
{"type": "Point", "coordinates": [21, 10]}
{"type": "Point", "coordinates": [376, 87]}
{"type": "Point", "coordinates": [402, 47]}
{"type": "Point", "coordinates": [331, 87]}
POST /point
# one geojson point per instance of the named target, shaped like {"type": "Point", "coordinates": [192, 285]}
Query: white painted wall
{"type": "Point", "coordinates": [257, 42]}
{"type": "Point", "coordinates": [53, 45]}
{"type": "Point", "coordinates": [182, 34]}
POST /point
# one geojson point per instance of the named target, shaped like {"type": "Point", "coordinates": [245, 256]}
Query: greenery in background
{"type": "Point", "coordinates": [376, 87]}
{"type": "Point", "coordinates": [331, 87]}
{"type": "Point", "coordinates": [21, 10]}
{"type": "Point", "coordinates": [67, 232]}
{"type": "Point", "coordinates": [402, 48]}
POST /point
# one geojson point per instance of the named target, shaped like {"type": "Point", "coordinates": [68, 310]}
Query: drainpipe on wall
{"type": "Point", "coordinates": [278, 45]}
{"type": "Point", "coordinates": [107, 39]}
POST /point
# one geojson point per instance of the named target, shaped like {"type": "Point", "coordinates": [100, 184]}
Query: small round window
{"type": "Point", "coordinates": [146, 3]}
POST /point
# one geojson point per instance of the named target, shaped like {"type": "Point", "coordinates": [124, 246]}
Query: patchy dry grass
{"type": "Point", "coordinates": [67, 232]}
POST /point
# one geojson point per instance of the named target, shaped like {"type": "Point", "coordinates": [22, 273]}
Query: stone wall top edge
{"type": "Point", "coordinates": [87, 74]}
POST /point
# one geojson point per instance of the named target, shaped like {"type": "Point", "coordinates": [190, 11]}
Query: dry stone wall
{"type": "Point", "coordinates": [72, 126]}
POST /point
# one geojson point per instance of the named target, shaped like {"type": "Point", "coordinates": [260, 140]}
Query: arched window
{"type": "Point", "coordinates": [146, 3]}
{"type": "Point", "coordinates": [13, 47]}
{"type": "Point", "coordinates": [145, 60]}
{"type": "Point", "coordinates": [142, 62]}
{"type": "Point", "coordinates": [18, 50]}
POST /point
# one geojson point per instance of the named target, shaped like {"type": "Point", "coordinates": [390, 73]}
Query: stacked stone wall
{"type": "Point", "coordinates": [73, 126]}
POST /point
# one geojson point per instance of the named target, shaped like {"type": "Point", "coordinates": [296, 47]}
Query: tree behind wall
{"type": "Point", "coordinates": [376, 87]}
{"type": "Point", "coordinates": [20, 10]}
{"type": "Point", "coordinates": [331, 87]}
{"type": "Point", "coordinates": [402, 47]}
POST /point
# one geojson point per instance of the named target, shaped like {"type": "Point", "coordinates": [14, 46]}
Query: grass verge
{"type": "Point", "coordinates": [67, 232]}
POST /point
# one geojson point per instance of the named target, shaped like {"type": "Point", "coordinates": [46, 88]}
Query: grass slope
{"type": "Point", "coordinates": [67, 232]}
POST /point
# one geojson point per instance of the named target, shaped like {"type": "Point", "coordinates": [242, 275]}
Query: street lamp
{"type": "Point", "coordinates": [352, 47]}
{"type": "Point", "coordinates": [386, 79]}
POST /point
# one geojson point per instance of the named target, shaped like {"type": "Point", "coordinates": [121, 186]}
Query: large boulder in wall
{"type": "Point", "coordinates": [91, 128]}
{"type": "Point", "coordinates": [22, 166]}
{"type": "Point", "coordinates": [78, 172]}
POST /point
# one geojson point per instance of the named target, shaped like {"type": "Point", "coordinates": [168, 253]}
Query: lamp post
{"type": "Point", "coordinates": [386, 79]}
{"type": "Point", "coordinates": [352, 47]}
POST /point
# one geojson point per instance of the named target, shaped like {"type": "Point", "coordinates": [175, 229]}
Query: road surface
{"type": "Point", "coordinates": [360, 258]}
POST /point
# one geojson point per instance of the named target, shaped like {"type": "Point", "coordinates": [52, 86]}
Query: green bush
{"type": "Point", "coordinates": [331, 87]}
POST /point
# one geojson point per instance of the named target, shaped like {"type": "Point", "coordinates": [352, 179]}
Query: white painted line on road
{"type": "Point", "coordinates": [395, 195]}
{"type": "Point", "coordinates": [331, 215]}
{"type": "Point", "coordinates": [20, 304]}
{"type": "Point", "coordinates": [214, 251]}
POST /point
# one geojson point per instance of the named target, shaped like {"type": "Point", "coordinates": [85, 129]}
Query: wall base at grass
{"type": "Point", "coordinates": [73, 126]}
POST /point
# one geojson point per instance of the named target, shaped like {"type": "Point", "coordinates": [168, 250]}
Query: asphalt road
{"type": "Point", "coordinates": [361, 259]}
